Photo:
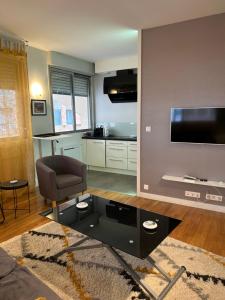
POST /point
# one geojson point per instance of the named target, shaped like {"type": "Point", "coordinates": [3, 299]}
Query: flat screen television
{"type": "Point", "coordinates": [205, 125]}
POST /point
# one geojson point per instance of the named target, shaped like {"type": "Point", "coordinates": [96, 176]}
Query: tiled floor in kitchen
{"type": "Point", "coordinates": [124, 184]}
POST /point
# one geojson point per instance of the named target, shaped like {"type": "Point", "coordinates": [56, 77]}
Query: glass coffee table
{"type": "Point", "coordinates": [118, 226]}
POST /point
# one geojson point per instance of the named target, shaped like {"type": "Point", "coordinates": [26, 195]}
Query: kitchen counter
{"type": "Point", "coordinates": [51, 137]}
{"type": "Point", "coordinates": [116, 138]}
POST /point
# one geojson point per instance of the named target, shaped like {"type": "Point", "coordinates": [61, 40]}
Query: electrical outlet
{"type": "Point", "coordinates": [146, 187]}
{"type": "Point", "coordinates": [148, 128]}
{"type": "Point", "coordinates": [211, 197]}
{"type": "Point", "coordinates": [192, 194]}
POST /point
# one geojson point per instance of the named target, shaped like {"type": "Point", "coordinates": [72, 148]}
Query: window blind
{"type": "Point", "coordinates": [60, 82]}
{"type": "Point", "coordinates": [81, 85]}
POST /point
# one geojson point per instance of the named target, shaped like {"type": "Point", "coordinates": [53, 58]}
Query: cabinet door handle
{"type": "Point", "coordinates": [116, 143]}
{"type": "Point", "coordinates": [134, 150]}
{"type": "Point", "coordinates": [98, 143]}
{"type": "Point", "coordinates": [71, 148]}
{"type": "Point", "coordinates": [113, 159]}
{"type": "Point", "coordinates": [118, 149]}
{"type": "Point", "coordinates": [132, 162]}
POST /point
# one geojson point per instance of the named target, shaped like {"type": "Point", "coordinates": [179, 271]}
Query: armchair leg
{"type": "Point", "coordinates": [54, 204]}
{"type": "Point", "coordinates": [55, 210]}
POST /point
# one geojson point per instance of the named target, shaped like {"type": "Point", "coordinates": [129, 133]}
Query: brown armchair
{"type": "Point", "coordinates": [60, 176]}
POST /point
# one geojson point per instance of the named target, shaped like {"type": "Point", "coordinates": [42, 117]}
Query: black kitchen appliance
{"type": "Point", "coordinates": [98, 131]}
{"type": "Point", "coordinates": [122, 88]}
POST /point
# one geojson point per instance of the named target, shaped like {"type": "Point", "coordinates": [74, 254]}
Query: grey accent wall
{"type": "Point", "coordinates": [183, 65]}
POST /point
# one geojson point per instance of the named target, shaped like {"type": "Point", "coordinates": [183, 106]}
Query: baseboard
{"type": "Point", "coordinates": [184, 202]}
{"type": "Point", "coordinates": [111, 170]}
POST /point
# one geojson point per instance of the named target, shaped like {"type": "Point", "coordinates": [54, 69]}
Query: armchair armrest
{"type": "Point", "coordinates": [46, 180]}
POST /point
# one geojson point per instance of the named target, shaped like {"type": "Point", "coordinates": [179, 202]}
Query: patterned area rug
{"type": "Point", "coordinates": [95, 274]}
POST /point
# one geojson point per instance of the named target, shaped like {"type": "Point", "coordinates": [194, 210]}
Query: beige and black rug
{"type": "Point", "coordinates": [95, 274]}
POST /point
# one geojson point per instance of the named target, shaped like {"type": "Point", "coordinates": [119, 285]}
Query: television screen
{"type": "Point", "coordinates": [198, 125]}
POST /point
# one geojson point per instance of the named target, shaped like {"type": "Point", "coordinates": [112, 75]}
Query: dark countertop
{"type": "Point", "coordinates": [118, 138]}
{"type": "Point", "coordinates": [50, 134]}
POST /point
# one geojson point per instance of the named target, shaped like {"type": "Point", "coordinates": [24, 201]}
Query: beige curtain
{"type": "Point", "coordinates": [16, 150]}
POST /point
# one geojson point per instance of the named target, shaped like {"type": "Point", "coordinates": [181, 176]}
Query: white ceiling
{"type": "Point", "coordinates": [95, 29]}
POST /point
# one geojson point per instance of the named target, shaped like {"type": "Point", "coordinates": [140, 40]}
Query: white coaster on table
{"type": "Point", "coordinates": [82, 205]}
{"type": "Point", "coordinates": [13, 181]}
{"type": "Point", "coordinates": [150, 226]}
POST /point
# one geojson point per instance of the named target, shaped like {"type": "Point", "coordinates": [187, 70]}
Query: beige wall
{"type": "Point", "coordinates": [38, 74]}
{"type": "Point", "coordinates": [116, 63]}
{"type": "Point", "coordinates": [183, 65]}
{"type": "Point", "coordinates": [70, 62]}
{"type": "Point", "coordinates": [38, 62]}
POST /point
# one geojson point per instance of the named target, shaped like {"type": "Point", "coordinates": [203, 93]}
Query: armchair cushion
{"type": "Point", "coordinates": [66, 180]}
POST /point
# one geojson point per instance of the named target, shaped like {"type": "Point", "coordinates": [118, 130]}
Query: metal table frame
{"type": "Point", "coordinates": [128, 268]}
{"type": "Point", "coordinates": [3, 216]}
{"type": "Point", "coordinates": [14, 188]}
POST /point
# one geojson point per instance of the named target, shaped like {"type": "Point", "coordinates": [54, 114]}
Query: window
{"type": "Point", "coordinates": [81, 99]}
{"type": "Point", "coordinates": [8, 113]}
{"type": "Point", "coordinates": [70, 100]}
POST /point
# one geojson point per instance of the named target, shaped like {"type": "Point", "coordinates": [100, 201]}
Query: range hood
{"type": "Point", "coordinates": [122, 88]}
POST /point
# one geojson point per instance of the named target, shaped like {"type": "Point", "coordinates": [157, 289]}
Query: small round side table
{"type": "Point", "coordinates": [7, 185]}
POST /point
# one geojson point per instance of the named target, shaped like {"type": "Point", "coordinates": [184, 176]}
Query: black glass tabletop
{"type": "Point", "coordinates": [135, 231]}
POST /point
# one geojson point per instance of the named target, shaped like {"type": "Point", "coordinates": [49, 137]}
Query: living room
{"type": "Point", "coordinates": [112, 150]}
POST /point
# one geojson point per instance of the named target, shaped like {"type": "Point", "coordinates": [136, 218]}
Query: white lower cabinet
{"type": "Point", "coordinates": [96, 153]}
{"type": "Point", "coordinates": [116, 151]}
{"type": "Point", "coordinates": [132, 152]}
{"type": "Point", "coordinates": [73, 151]}
{"type": "Point", "coordinates": [132, 164]}
{"type": "Point", "coordinates": [116, 155]}
{"type": "Point", "coordinates": [112, 154]}
{"type": "Point", "coordinates": [116, 143]}
{"type": "Point", "coordinates": [116, 163]}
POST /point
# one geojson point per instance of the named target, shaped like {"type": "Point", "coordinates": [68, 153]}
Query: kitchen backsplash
{"type": "Point", "coordinates": [121, 128]}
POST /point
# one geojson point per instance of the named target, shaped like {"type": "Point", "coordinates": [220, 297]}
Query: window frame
{"type": "Point", "coordinates": [90, 99]}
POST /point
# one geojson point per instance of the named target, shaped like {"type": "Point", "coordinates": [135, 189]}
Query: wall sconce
{"type": "Point", "coordinates": [36, 90]}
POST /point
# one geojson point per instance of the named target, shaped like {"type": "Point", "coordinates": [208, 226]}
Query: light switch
{"type": "Point", "coordinates": [148, 128]}
{"type": "Point", "coordinates": [146, 187]}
